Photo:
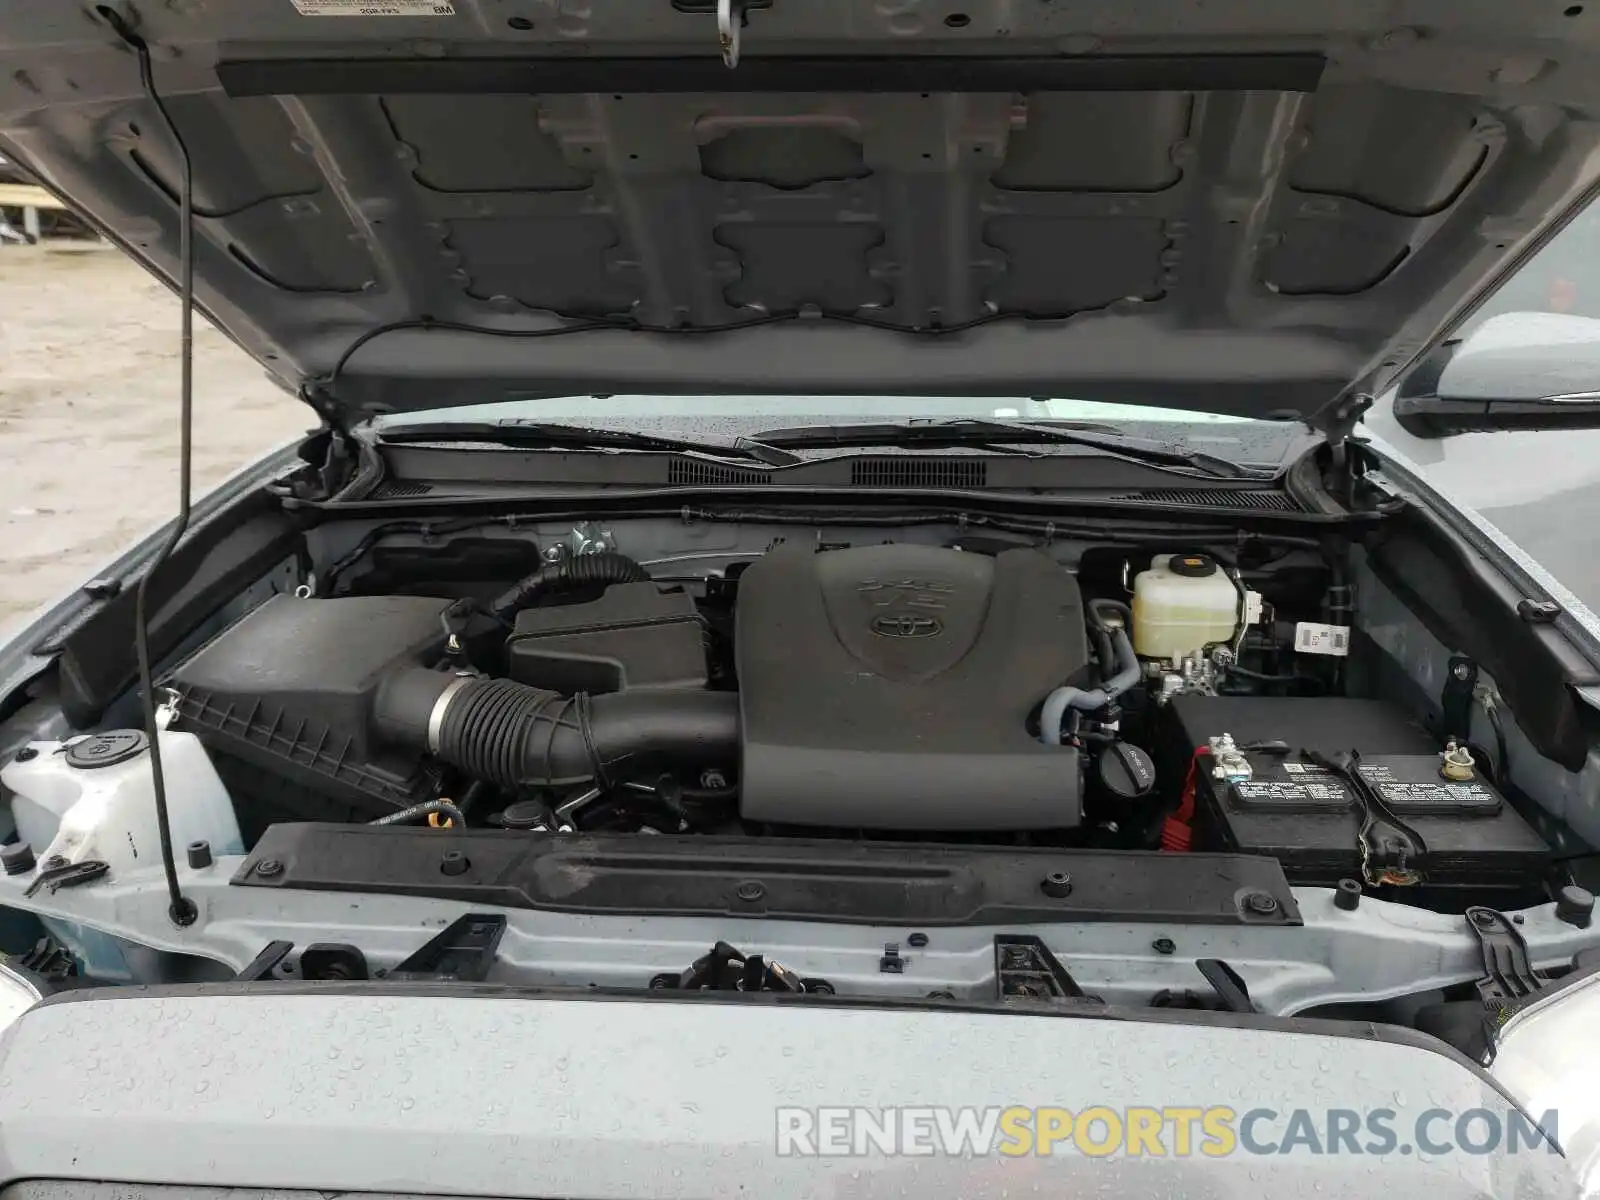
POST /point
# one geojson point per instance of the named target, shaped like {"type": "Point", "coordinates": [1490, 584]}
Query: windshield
{"type": "Point", "coordinates": [1542, 489]}
{"type": "Point", "coordinates": [726, 418]}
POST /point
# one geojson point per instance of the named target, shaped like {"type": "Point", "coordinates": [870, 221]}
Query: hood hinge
{"type": "Point", "coordinates": [1340, 419]}
{"type": "Point", "coordinates": [1338, 422]}
{"type": "Point", "coordinates": [329, 462]}
{"type": "Point", "coordinates": [329, 453]}
{"type": "Point", "coordinates": [323, 404]}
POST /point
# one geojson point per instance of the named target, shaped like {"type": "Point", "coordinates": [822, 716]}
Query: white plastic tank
{"type": "Point", "coordinates": [1183, 603]}
{"type": "Point", "coordinates": [93, 799]}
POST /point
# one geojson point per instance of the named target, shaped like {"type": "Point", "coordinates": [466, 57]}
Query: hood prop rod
{"type": "Point", "coordinates": [180, 908]}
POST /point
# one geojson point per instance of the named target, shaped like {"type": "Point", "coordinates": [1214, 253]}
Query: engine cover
{"type": "Point", "coordinates": [889, 688]}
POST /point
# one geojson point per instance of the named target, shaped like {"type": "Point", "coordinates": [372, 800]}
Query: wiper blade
{"type": "Point", "coordinates": [989, 432]}
{"type": "Point", "coordinates": [541, 433]}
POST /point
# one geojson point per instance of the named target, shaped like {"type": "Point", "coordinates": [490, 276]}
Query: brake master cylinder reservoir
{"type": "Point", "coordinates": [1183, 603]}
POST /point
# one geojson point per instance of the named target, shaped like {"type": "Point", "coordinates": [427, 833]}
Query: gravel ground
{"type": "Point", "coordinates": [89, 415]}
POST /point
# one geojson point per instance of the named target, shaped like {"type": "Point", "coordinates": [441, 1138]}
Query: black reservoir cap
{"type": "Point", "coordinates": [107, 749]}
{"type": "Point", "coordinates": [1192, 566]}
{"type": "Point", "coordinates": [1575, 905]}
{"type": "Point", "coordinates": [17, 858]}
{"type": "Point", "coordinates": [1126, 771]}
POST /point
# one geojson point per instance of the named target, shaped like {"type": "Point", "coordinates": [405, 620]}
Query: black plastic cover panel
{"type": "Point", "coordinates": [795, 878]}
{"type": "Point", "coordinates": [890, 687]}
{"type": "Point", "coordinates": [288, 690]}
{"type": "Point", "coordinates": [633, 636]}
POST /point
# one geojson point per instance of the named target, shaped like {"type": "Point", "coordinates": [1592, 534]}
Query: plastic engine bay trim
{"type": "Point", "coordinates": [831, 881]}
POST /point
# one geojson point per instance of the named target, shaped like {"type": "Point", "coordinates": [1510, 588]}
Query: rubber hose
{"type": "Point", "coordinates": [580, 571]}
{"type": "Point", "coordinates": [418, 811]}
{"type": "Point", "coordinates": [1097, 608]}
{"type": "Point", "coordinates": [514, 735]}
{"type": "Point", "coordinates": [1058, 702]}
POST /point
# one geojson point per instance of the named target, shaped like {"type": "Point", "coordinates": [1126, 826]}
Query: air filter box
{"type": "Point", "coordinates": [282, 700]}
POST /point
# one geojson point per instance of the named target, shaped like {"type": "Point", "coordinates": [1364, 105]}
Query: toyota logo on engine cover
{"type": "Point", "coordinates": [905, 625]}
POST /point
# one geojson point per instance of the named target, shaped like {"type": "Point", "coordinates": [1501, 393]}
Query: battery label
{"type": "Point", "coordinates": [1408, 784]}
{"type": "Point", "coordinates": [1292, 792]}
{"type": "Point", "coordinates": [1402, 790]}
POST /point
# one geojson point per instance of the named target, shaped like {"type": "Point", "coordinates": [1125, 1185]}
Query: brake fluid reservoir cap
{"type": "Point", "coordinates": [1192, 566]}
{"type": "Point", "coordinates": [106, 749]}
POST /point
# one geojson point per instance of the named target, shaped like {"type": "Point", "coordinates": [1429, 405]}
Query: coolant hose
{"type": "Point", "coordinates": [583, 570]}
{"type": "Point", "coordinates": [1064, 699]}
{"type": "Point", "coordinates": [513, 735]}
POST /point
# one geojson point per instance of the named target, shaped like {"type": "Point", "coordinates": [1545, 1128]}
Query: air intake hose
{"type": "Point", "coordinates": [584, 570]}
{"type": "Point", "coordinates": [513, 735]}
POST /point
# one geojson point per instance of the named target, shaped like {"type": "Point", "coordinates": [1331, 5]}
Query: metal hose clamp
{"type": "Point", "coordinates": [728, 21]}
{"type": "Point", "coordinates": [440, 706]}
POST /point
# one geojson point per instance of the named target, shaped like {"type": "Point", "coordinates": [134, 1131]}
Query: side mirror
{"type": "Point", "coordinates": [1521, 370]}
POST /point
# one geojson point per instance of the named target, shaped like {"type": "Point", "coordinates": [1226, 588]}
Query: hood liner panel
{"type": "Point", "coordinates": [1238, 208]}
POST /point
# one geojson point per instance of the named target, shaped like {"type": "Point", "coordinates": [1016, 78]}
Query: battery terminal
{"type": "Point", "coordinates": [1456, 763]}
{"type": "Point", "coordinates": [1228, 761]}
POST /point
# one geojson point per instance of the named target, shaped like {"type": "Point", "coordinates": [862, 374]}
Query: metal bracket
{"type": "Point", "coordinates": [1455, 697]}
{"type": "Point", "coordinates": [1024, 969]}
{"type": "Point", "coordinates": [49, 960]}
{"type": "Point", "coordinates": [729, 19]}
{"type": "Point", "coordinates": [333, 960]}
{"type": "Point", "coordinates": [1339, 420]}
{"type": "Point", "coordinates": [1538, 612]}
{"type": "Point", "coordinates": [1508, 975]}
{"type": "Point", "coordinates": [462, 952]}
{"type": "Point", "coordinates": [264, 964]}
{"type": "Point", "coordinates": [1232, 994]}
{"type": "Point", "coordinates": [725, 969]}
{"type": "Point", "coordinates": [67, 875]}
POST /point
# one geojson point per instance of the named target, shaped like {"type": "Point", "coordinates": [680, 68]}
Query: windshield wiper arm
{"type": "Point", "coordinates": [541, 433]}
{"type": "Point", "coordinates": [989, 432]}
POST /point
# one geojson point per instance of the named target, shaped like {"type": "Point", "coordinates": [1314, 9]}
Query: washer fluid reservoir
{"type": "Point", "coordinates": [1183, 603]}
{"type": "Point", "coordinates": [93, 799]}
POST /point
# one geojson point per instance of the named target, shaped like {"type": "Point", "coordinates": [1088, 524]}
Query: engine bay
{"type": "Point", "coordinates": [850, 757]}
{"type": "Point", "coordinates": [979, 691]}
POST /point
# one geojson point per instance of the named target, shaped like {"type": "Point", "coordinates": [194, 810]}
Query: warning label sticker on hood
{"type": "Point", "coordinates": [374, 8]}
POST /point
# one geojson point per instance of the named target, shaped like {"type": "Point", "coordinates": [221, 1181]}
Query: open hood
{"type": "Point", "coordinates": [1241, 207]}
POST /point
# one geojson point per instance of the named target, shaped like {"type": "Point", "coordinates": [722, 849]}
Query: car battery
{"type": "Point", "coordinates": [1309, 818]}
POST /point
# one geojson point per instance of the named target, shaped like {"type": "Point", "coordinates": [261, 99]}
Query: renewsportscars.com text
{"type": "Point", "coordinates": [1158, 1132]}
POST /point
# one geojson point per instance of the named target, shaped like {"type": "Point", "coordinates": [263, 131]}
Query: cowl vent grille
{"type": "Point", "coordinates": [398, 489]}
{"type": "Point", "coordinates": [689, 471]}
{"type": "Point", "coordinates": [919, 472]}
{"type": "Point", "coordinates": [1265, 501]}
